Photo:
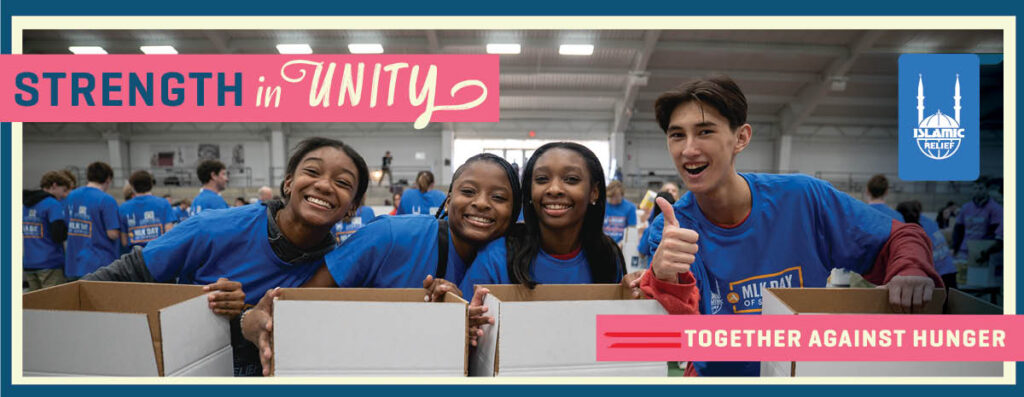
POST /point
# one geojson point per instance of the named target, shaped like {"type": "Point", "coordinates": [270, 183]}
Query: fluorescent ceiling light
{"type": "Point", "coordinates": [576, 49]}
{"type": "Point", "coordinates": [366, 48]}
{"type": "Point", "coordinates": [503, 48]}
{"type": "Point", "coordinates": [158, 49]}
{"type": "Point", "coordinates": [81, 50]}
{"type": "Point", "coordinates": [294, 49]}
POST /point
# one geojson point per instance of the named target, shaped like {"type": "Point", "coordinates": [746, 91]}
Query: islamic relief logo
{"type": "Point", "coordinates": [938, 136]}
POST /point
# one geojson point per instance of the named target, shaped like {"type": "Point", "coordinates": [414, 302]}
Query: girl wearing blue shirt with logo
{"type": "Point", "coordinates": [277, 244]}
{"type": "Point", "coordinates": [409, 251]}
{"type": "Point", "coordinates": [562, 239]}
{"type": "Point", "coordinates": [423, 199]}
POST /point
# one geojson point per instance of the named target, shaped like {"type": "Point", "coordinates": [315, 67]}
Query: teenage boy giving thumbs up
{"type": "Point", "coordinates": [758, 231]}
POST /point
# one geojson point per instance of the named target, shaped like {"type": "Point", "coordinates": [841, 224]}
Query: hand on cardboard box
{"type": "Point", "coordinates": [477, 319]}
{"type": "Point", "coordinates": [258, 328]}
{"type": "Point", "coordinates": [909, 294]}
{"type": "Point", "coordinates": [678, 247]}
{"type": "Point", "coordinates": [227, 297]}
{"type": "Point", "coordinates": [632, 281]}
{"type": "Point", "coordinates": [437, 287]}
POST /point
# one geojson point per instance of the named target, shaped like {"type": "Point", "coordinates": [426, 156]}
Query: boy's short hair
{"type": "Point", "coordinates": [99, 172]}
{"type": "Point", "coordinates": [141, 181]}
{"type": "Point", "coordinates": [614, 187]}
{"type": "Point", "coordinates": [717, 91]}
{"type": "Point", "coordinates": [71, 177]}
{"type": "Point", "coordinates": [54, 177]}
{"type": "Point", "coordinates": [208, 167]}
{"type": "Point", "coordinates": [877, 186]}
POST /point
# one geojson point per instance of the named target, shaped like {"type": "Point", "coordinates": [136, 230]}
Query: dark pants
{"type": "Point", "coordinates": [246, 354]}
{"type": "Point", "coordinates": [383, 171]}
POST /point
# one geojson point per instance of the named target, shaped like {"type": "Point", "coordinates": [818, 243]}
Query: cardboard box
{"type": "Point", "coordinates": [368, 332]}
{"type": "Point", "coordinates": [89, 328]}
{"type": "Point", "coordinates": [552, 331]}
{"type": "Point", "coordinates": [804, 301]}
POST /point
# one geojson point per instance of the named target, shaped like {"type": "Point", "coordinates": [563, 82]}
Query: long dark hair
{"type": "Point", "coordinates": [523, 244]}
{"type": "Point", "coordinates": [311, 144]}
{"type": "Point", "coordinates": [510, 172]}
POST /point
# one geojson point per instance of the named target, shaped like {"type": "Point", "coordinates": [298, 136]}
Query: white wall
{"type": "Point", "coordinates": [40, 157]}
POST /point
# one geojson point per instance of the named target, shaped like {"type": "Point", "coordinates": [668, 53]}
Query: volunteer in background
{"type": "Point", "coordinates": [941, 254]}
{"type": "Point", "coordinates": [180, 210]}
{"type": "Point", "coordinates": [667, 187]}
{"type": "Point", "coordinates": [127, 192]}
{"type": "Point", "coordinates": [619, 214]}
{"type": "Point", "coordinates": [259, 247]}
{"type": "Point", "coordinates": [760, 229]}
{"type": "Point", "coordinates": [423, 199]}
{"type": "Point", "coordinates": [145, 217]}
{"type": "Point", "coordinates": [265, 193]}
{"type": "Point", "coordinates": [349, 225]}
{"type": "Point", "coordinates": [396, 201]}
{"type": "Point", "coordinates": [877, 190]}
{"type": "Point", "coordinates": [416, 250]}
{"type": "Point", "coordinates": [93, 228]}
{"type": "Point", "coordinates": [44, 231]}
{"type": "Point", "coordinates": [561, 240]}
{"type": "Point", "coordinates": [214, 177]}
{"type": "Point", "coordinates": [977, 220]}
{"type": "Point", "coordinates": [643, 246]}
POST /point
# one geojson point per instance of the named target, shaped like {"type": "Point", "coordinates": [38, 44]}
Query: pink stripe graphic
{"type": "Point", "coordinates": [810, 338]}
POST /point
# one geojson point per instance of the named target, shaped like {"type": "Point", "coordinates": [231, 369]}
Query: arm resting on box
{"type": "Point", "coordinates": [130, 267]}
{"type": "Point", "coordinates": [676, 298]}
{"type": "Point", "coordinates": [908, 252]}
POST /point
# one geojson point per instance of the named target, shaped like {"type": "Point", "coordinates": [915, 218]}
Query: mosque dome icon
{"type": "Point", "coordinates": [939, 120]}
{"type": "Point", "coordinates": [938, 148]}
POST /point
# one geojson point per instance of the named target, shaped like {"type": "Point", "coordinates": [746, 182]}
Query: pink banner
{"type": "Point", "coordinates": [250, 88]}
{"type": "Point", "coordinates": [810, 338]}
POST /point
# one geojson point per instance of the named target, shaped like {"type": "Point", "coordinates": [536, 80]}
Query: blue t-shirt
{"type": "Point", "coordinates": [491, 267]}
{"type": "Point", "coordinates": [179, 214]}
{"type": "Point", "coordinates": [979, 222]}
{"type": "Point", "coordinates": [798, 230]}
{"type": "Point", "coordinates": [888, 211]}
{"type": "Point", "coordinates": [232, 243]}
{"type": "Point", "coordinates": [942, 256]}
{"type": "Point", "coordinates": [416, 202]}
{"type": "Point", "coordinates": [90, 213]}
{"type": "Point", "coordinates": [206, 200]}
{"type": "Point", "coordinates": [41, 252]}
{"type": "Point", "coordinates": [143, 219]}
{"type": "Point", "coordinates": [617, 218]}
{"type": "Point", "coordinates": [393, 252]}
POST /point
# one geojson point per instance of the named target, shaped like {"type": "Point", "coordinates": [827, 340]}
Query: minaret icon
{"type": "Point", "coordinates": [956, 97]}
{"type": "Point", "coordinates": [920, 99]}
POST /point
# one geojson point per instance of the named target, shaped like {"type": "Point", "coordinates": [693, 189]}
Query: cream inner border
{"type": "Point", "coordinates": [1005, 23]}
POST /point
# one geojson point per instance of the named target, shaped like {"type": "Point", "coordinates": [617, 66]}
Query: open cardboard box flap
{"type": "Point", "coordinates": [151, 300]}
{"type": "Point", "coordinates": [782, 301]}
{"type": "Point", "coordinates": [559, 292]}
{"type": "Point", "coordinates": [551, 331]}
{"type": "Point", "coordinates": [368, 332]}
{"type": "Point", "coordinates": [362, 295]}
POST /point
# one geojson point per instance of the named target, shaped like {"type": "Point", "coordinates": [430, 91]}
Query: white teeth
{"type": "Point", "coordinates": [319, 202]}
{"type": "Point", "coordinates": [479, 219]}
{"type": "Point", "coordinates": [694, 166]}
{"type": "Point", "coordinates": [556, 206]}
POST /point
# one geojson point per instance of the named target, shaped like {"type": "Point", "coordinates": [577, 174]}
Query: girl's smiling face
{"type": "Point", "coordinates": [322, 186]}
{"type": "Point", "coordinates": [480, 205]}
{"type": "Point", "coordinates": [561, 189]}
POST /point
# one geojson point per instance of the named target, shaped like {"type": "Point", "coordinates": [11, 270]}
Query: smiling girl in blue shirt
{"type": "Point", "coordinates": [277, 244]}
{"type": "Point", "coordinates": [561, 240]}
{"type": "Point", "coordinates": [403, 251]}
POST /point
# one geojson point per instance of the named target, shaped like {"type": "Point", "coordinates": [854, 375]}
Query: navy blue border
{"type": "Point", "coordinates": [418, 8]}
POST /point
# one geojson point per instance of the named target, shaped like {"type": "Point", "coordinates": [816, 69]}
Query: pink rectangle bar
{"type": "Point", "coordinates": [250, 88]}
{"type": "Point", "coordinates": [810, 338]}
